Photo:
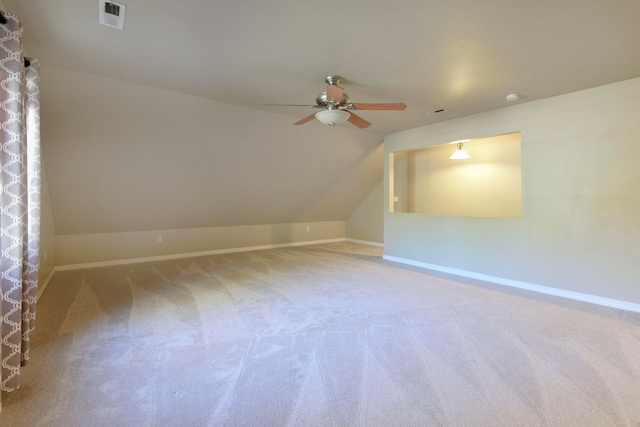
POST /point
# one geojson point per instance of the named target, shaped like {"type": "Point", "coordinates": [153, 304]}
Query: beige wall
{"type": "Point", "coordinates": [47, 232]}
{"type": "Point", "coordinates": [126, 160]}
{"type": "Point", "coordinates": [96, 248]}
{"type": "Point", "coordinates": [580, 224]}
{"type": "Point", "coordinates": [366, 223]}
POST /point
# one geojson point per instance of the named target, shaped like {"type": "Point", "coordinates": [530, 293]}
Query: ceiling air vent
{"type": "Point", "coordinates": [112, 14]}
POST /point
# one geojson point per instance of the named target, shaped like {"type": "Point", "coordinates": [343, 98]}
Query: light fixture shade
{"type": "Point", "coordinates": [460, 154]}
{"type": "Point", "coordinates": [332, 117]}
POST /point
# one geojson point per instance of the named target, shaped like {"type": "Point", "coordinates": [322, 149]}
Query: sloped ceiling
{"type": "Point", "coordinates": [170, 111]}
{"type": "Point", "coordinates": [126, 157]}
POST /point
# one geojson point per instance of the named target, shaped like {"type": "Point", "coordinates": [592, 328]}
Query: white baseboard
{"type": "Point", "coordinates": [189, 255]}
{"type": "Point", "coordinates": [365, 242]}
{"type": "Point", "coordinates": [593, 299]}
{"type": "Point", "coordinates": [44, 284]}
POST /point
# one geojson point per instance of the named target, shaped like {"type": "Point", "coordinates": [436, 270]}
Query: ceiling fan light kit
{"type": "Point", "coordinates": [337, 108]}
{"type": "Point", "coordinates": [332, 117]}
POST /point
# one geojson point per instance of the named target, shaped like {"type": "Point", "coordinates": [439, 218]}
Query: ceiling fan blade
{"type": "Point", "coordinates": [306, 119]}
{"type": "Point", "coordinates": [334, 93]}
{"type": "Point", "coordinates": [396, 106]}
{"type": "Point", "coordinates": [293, 105]}
{"type": "Point", "coordinates": [358, 121]}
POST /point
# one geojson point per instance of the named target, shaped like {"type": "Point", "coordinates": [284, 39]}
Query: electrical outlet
{"type": "Point", "coordinates": [159, 238]}
{"type": "Point", "coordinates": [308, 228]}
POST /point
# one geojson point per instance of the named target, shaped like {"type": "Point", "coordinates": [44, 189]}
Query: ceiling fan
{"type": "Point", "coordinates": [337, 108]}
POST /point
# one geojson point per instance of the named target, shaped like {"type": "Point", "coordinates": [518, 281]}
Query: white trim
{"type": "Point", "coordinates": [365, 242]}
{"type": "Point", "coordinates": [44, 284]}
{"type": "Point", "coordinates": [189, 255]}
{"type": "Point", "coordinates": [593, 299]}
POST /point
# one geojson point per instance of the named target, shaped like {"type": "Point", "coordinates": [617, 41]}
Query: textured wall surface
{"type": "Point", "coordinates": [367, 220]}
{"type": "Point", "coordinates": [580, 224]}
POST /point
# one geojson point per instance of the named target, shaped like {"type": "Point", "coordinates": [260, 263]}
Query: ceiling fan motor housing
{"type": "Point", "coordinates": [322, 101]}
{"type": "Point", "coordinates": [338, 108]}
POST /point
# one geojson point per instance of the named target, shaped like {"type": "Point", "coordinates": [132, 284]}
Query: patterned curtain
{"type": "Point", "coordinates": [20, 199]}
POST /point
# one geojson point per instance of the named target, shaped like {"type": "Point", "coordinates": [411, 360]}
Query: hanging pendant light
{"type": "Point", "coordinates": [460, 154]}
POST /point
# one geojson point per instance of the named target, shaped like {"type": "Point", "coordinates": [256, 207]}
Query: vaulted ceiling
{"type": "Point", "coordinates": [464, 56]}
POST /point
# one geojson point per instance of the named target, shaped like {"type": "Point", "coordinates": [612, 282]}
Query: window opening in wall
{"type": "Point", "coordinates": [488, 184]}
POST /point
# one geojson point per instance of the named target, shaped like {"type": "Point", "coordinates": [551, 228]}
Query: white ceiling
{"type": "Point", "coordinates": [462, 55]}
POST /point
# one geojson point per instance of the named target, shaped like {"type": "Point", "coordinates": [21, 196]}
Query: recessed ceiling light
{"type": "Point", "coordinates": [513, 97]}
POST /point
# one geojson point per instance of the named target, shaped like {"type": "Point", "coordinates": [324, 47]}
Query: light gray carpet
{"type": "Point", "coordinates": [326, 335]}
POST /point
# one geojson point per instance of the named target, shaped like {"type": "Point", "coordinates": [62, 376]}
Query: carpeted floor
{"type": "Point", "coordinates": [326, 335]}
